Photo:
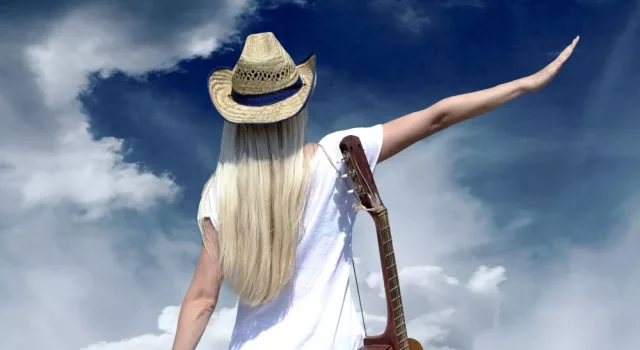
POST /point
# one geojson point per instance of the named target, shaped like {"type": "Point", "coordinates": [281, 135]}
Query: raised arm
{"type": "Point", "coordinates": [403, 132]}
{"type": "Point", "coordinates": [202, 295]}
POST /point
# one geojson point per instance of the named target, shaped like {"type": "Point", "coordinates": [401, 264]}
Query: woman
{"type": "Point", "coordinates": [276, 221]}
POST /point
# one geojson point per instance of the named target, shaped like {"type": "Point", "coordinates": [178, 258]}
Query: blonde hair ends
{"type": "Point", "coordinates": [260, 185]}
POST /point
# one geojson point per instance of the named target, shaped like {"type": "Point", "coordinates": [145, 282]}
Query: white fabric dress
{"type": "Point", "coordinates": [317, 311]}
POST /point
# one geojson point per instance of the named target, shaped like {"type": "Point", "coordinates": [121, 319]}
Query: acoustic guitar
{"type": "Point", "coordinates": [395, 335]}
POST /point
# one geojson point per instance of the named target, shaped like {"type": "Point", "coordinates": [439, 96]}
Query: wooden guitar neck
{"type": "Point", "coordinates": [395, 335]}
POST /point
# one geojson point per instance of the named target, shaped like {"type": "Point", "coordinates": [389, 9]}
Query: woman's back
{"type": "Point", "coordinates": [294, 290]}
{"type": "Point", "coordinates": [315, 311]}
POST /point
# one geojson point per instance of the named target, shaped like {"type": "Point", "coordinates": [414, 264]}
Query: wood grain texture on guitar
{"type": "Point", "coordinates": [395, 335]}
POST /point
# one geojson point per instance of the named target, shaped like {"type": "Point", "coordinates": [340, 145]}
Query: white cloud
{"type": "Point", "coordinates": [521, 221]}
{"type": "Point", "coordinates": [87, 172]}
{"type": "Point", "coordinates": [485, 280]}
{"type": "Point", "coordinates": [409, 14]}
{"type": "Point", "coordinates": [589, 301]}
{"type": "Point", "coordinates": [462, 3]}
{"type": "Point", "coordinates": [448, 310]}
{"type": "Point", "coordinates": [98, 38]}
{"type": "Point", "coordinates": [425, 278]}
{"type": "Point", "coordinates": [441, 310]}
{"type": "Point", "coordinates": [216, 336]}
{"type": "Point", "coordinates": [431, 214]}
{"type": "Point", "coordinates": [75, 282]}
{"type": "Point", "coordinates": [63, 162]}
{"type": "Point", "coordinates": [413, 16]}
{"type": "Point", "coordinates": [73, 268]}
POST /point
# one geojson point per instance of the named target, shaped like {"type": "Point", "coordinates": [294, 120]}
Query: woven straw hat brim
{"type": "Point", "coordinates": [220, 92]}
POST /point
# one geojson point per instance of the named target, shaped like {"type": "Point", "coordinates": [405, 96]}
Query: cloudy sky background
{"type": "Point", "coordinates": [515, 230]}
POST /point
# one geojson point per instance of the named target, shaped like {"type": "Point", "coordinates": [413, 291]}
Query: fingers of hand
{"type": "Point", "coordinates": [541, 78]}
{"type": "Point", "coordinates": [569, 49]}
{"type": "Point", "coordinates": [564, 55]}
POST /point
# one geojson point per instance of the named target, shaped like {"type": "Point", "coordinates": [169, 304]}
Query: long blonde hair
{"type": "Point", "coordinates": [261, 186]}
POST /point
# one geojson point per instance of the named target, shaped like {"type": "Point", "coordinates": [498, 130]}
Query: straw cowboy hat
{"type": "Point", "coordinates": [265, 86]}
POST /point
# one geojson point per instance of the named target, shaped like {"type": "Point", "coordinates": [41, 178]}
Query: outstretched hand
{"type": "Point", "coordinates": [540, 79]}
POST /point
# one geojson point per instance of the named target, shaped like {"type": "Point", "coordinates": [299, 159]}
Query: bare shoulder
{"type": "Point", "coordinates": [311, 149]}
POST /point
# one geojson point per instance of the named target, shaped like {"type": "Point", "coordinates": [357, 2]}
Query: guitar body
{"type": "Point", "coordinates": [413, 345]}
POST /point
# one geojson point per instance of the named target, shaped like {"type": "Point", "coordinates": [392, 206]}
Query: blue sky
{"type": "Point", "coordinates": [456, 49]}
{"type": "Point", "coordinates": [515, 229]}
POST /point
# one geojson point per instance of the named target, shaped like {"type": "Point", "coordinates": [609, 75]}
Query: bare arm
{"type": "Point", "coordinates": [401, 133]}
{"type": "Point", "coordinates": [202, 295]}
